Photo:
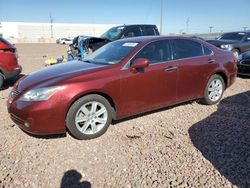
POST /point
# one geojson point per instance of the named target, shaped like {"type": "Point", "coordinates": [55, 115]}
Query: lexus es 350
{"type": "Point", "coordinates": [121, 79]}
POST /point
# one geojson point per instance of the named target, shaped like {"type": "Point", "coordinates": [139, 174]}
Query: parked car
{"type": "Point", "coordinates": [123, 78]}
{"type": "Point", "coordinates": [244, 64]}
{"type": "Point", "coordinates": [237, 42]}
{"type": "Point", "coordinates": [9, 68]}
{"type": "Point", "coordinates": [85, 45]}
{"type": "Point", "coordinates": [64, 41]}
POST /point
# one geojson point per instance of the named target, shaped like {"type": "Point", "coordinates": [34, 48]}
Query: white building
{"type": "Point", "coordinates": [37, 32]}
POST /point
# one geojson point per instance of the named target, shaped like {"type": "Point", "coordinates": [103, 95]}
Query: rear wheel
{"type": "Point", "coordinates": [89, 117]}
{"type": "Point", "coordinates": [1, 80]}
{"type": "Point", "coordinates": [214, 90]}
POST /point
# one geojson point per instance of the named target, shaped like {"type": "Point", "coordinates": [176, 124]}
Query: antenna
{"type": "Point", "coordinates": [51, 25]}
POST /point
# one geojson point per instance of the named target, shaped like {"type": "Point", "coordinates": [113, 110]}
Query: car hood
{"type": "Point", "coordinates": [245, 55]}
{"type": "Point", "coordinates": [218, 43]}
{"type": "Point", "coordinates": [56, 73]}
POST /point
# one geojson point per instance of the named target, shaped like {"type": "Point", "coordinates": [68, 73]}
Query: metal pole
{"type": "Point", "coordinates": [245, 28]}
{"type": "Point", "coordinates": [161, 29]}
{"type": "Point", "coordinates": [51, 25]}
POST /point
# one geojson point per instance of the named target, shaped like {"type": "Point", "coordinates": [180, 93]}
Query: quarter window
{"type": "Point", "coordinates": [207, 51]}
{"type": "Point", "coordinates": [155, 52]}
{"type": "Point", "coordinates": [186, 48]}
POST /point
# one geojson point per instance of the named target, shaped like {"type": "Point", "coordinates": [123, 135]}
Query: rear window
{"type": "Point", "coordinates": [5, 42]}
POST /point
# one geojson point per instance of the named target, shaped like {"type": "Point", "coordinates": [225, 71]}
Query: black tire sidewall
{"type": "Point", "coordinates": [70, 119]}
{"type": "Point", "coordinates": [206, 99]}
{"type": "Point", "coordinates": [1, 80]}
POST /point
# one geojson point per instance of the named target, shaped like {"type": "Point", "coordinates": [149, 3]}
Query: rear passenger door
{"type": "Point", "coordinates": [195, 65]}
{"type": "Point", "coordinates": [246, 43]}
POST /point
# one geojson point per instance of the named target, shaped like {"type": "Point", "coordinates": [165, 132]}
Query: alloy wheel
{"type": "Point", "coordinates": [91, 117]}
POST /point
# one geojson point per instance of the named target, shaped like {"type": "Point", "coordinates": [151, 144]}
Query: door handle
{"type": "Point", "coordinates": [211, 61]}
{"type": "Point", "coordinates": [170, 69]}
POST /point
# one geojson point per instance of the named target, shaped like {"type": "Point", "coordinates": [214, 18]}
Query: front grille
{"type": "Point", "coordinates": [245, 62]}
{"type": "Point", "coordinates": [14, 94]}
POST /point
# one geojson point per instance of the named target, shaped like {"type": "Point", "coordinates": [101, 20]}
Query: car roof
{"type": "Point", "coordinates": [146, 39]}
{"type": "Point", "coordinates": [238, 32]}
{"type": "Point", "coordinates": [136, 25]}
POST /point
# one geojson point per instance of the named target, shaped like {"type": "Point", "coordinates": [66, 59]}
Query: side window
{"type": "Point", "coordinates": [149, 31]}
{"type": "Point", "coordinates": [155, 52]}
{"type": "Point", "coordinates": [132, 32]}
{"type": "Point", "coordinates": [207, 51]}
{"type": "Point", "coordinates": [184, 48]}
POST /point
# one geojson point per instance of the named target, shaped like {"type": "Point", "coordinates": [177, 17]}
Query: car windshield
{"type": "Point", "coordinates": [112, 53]}
{"type": "Point", "coordinates": [112, 33]}
{"type": "Point", "coordinates": [232, 36]}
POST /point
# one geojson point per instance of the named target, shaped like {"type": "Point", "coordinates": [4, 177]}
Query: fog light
{"type": "Point", "coordinates": [26, 125]}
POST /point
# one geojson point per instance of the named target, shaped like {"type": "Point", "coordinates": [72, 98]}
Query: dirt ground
{"type": "Point", "coordinates": [188, 145]}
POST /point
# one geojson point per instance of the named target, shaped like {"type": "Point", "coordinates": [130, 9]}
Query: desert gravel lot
{"type": "Point", "coordinates": [188, 145]}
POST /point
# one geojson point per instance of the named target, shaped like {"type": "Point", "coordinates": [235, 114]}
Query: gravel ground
{"type": "Point", "coordinates": [188, 145]}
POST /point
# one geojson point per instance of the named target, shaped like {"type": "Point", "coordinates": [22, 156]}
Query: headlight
{"type": "Point", "coordinates": [240, 57]}
{"type": "Point", "coordinates": [40, 94]}
{"type": "Point", "coordinates": [225, 46]}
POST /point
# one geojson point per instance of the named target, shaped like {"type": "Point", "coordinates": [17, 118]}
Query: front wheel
{"type": "Point", "coordinates": [89, 117]}
{"type": "Point", "coordinates": [214, 90]}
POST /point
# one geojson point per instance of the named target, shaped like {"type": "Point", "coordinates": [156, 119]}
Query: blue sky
{"type": "Point", "coordinates": [223, 15]}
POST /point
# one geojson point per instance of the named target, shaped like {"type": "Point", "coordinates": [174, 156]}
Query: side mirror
{"type": "Point", "coordinates": [139, 63]}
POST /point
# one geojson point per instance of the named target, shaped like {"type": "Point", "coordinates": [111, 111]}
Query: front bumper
{"type": "Point", "coordinates": [14, 73]}
{"type": "Point", "coordinates": [38, 118]}
{"type": "Point", "coordinates": [244, 67]}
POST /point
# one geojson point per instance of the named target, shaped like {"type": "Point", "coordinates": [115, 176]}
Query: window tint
{"type": "Point", "coordinates": [155, 52]}
{"type": "Point", "coordinates": [149, 31]}
{"type": "Point", "coordinates": [207, 51]}
{"type": "Point", "coordinates": [186, 48]}
{"type": "Point", "coordinates": [232, 36]}
{"type": "Point", "coordinates": [133, 32]}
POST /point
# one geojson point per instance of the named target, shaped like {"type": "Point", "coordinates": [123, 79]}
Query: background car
{"type": "Point", "coordinates": [85, 45]}
{"type": "Point", "coordinates": [123, 78]}
{"type": "Point", "coordinates": [237, 42]}
{"type": "Point", "coordinates": [64, 41]}
{"type": "Point", "coordinates": [244, 64]}
{"type": "Point", "coordinates": [9, 68]}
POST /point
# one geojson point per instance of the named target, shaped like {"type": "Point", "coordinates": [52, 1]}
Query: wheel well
{"type": "Point", "coordinates": [223, 75]}
{"type": "Point", "coordinates": [110, 100]}
{"type": "Point", "coordinates": [236, 49]}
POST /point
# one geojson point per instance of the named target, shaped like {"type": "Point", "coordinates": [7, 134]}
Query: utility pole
{"type": "Point", "coordinates": [210, 29]}
{"type": "Point", "coordinates": [187, 25]}
{"type": "Point", "coordinates": [51, 25]}
{"type": "Point", "coordinates": [161, 29]}
{"type": "Point", "coordinates": [245, 28]}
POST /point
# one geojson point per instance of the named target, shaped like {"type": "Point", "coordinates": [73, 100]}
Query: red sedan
{"type": "Point", "coordinates": [9, 68]}
{"type": "Point", "coordinates": [123, 78]}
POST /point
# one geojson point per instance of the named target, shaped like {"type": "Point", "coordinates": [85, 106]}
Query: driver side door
{"type": "Point", "coordinates": [153, 86]}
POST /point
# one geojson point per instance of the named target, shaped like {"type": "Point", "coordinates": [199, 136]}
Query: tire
{"type": "Point", "coordinates": [1, 80]}
{"type": "Point", "coordinates": [82, 119]}
{"type": "Point", "coordinates": [236, 53]}
{"type": "Point", "coordinates": [214, 90]}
